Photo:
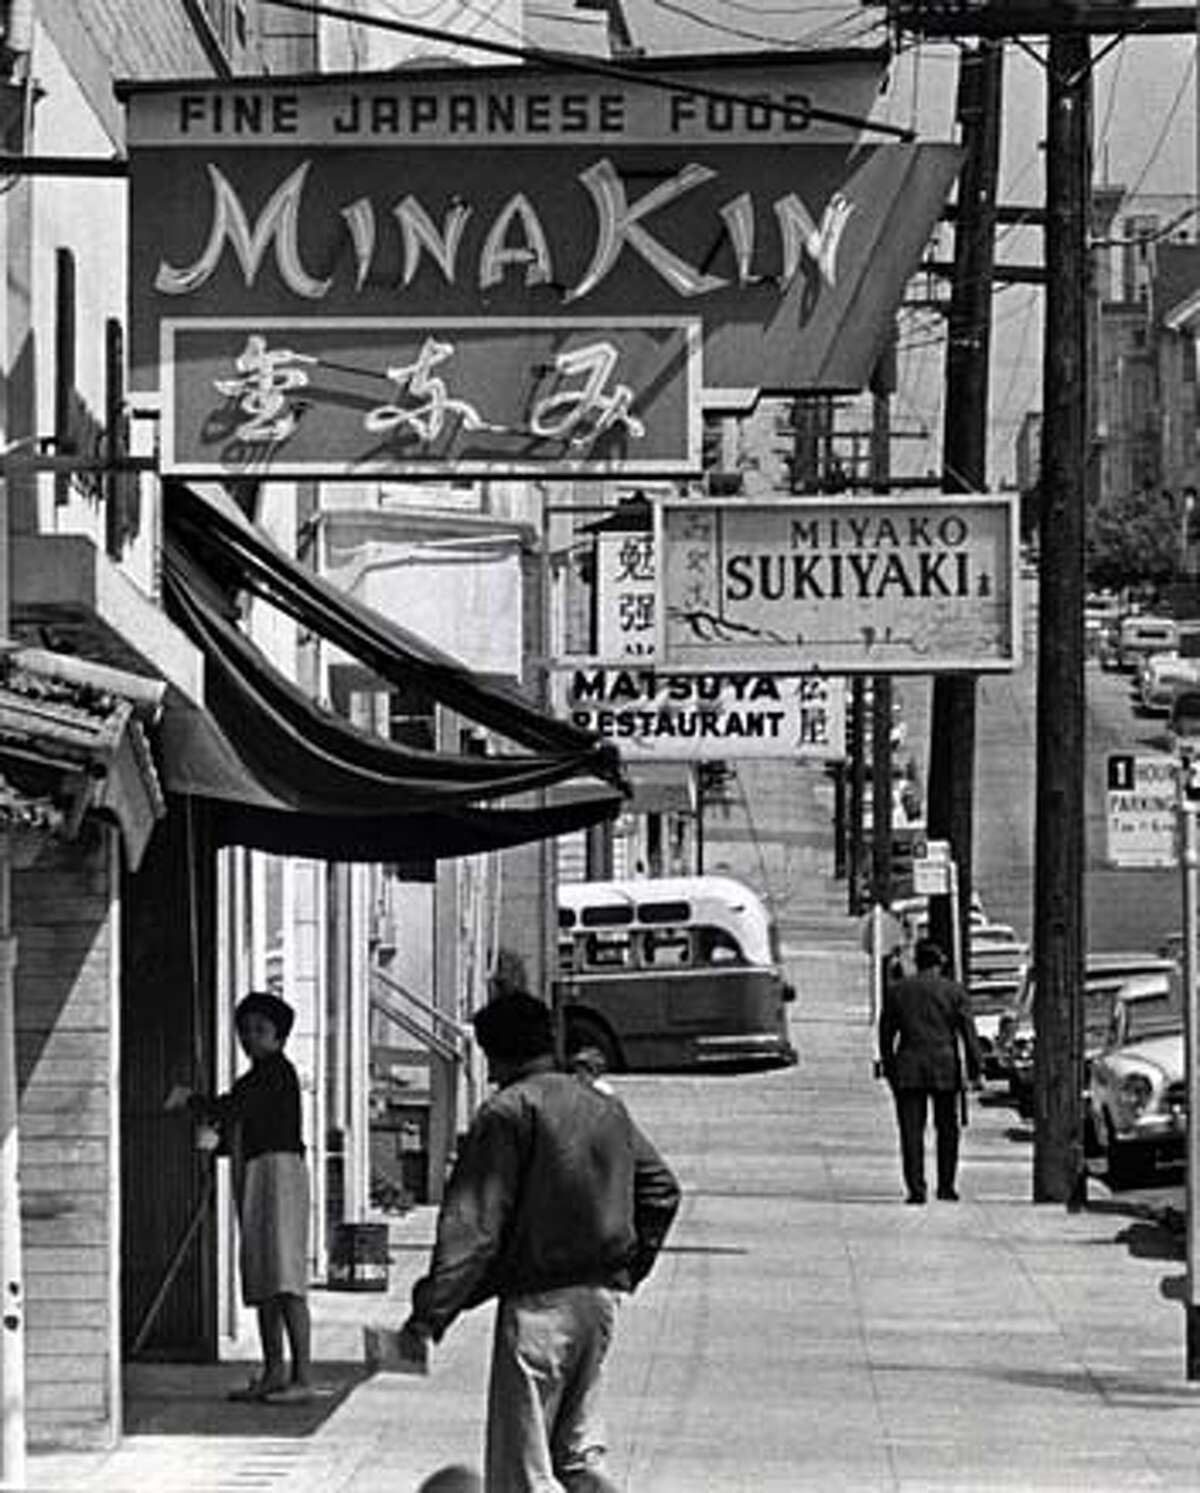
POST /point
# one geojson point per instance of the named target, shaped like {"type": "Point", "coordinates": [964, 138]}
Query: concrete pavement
{"type": "Point", "coordinates": [804, 1329]}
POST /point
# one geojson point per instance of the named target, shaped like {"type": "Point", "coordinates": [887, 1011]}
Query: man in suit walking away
{"type": "Point", "coordinates": [924, 1019]}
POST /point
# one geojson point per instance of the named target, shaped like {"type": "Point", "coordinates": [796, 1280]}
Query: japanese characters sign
{"type": "Point", "coordinates": [296, 398]}
{"type": "Point", "coordinates": [876, 585]}
{"type": "Point", "coordinates": [523, 197]}
{"type": "Point", "coordinates": [625, 595]}
{"type": "Point", "coordinates": [657, 715]}
{"type": "Point", "coordinates": [1142, 799]}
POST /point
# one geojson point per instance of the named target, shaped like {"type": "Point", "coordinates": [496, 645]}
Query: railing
{"type": "Point", "coordinates": [416, 1016]}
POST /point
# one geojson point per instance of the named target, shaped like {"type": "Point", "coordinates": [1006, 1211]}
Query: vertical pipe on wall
{"type": "Point", "coordinates": [12, 1280]}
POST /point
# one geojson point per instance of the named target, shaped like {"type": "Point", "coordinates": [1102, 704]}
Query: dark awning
{"type": "Point", "coordinates": [209, 528]}
{"type": "Point", "coordinates": [202, 762]}
{"type": "Point", "coordinates": [282, 773]}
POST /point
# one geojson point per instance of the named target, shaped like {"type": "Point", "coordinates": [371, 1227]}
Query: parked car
{"type": "Point", "coordinates": [1100, 610]}
{"type": "Point", "coordinates": [1104, 974]}
{"type": "Point", "coordinates": [1108, 644]}
{"type": "Point", "coordinates": [1141, 635]}
{"type": "Point", "coordinates": [1183, 729]}
{"type": "Point", "coordinates": [999, 968]}
{"type": "Point", "coordinates": [1136, 1099]}
{"type": "Point", "coordinates": [1161, 676]}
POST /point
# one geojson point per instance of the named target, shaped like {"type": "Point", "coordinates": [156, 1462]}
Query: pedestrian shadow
{"type": "Point", "coordinates": [1128, 1391]}
{"type": "Point", "coordinates": [191, 1399]}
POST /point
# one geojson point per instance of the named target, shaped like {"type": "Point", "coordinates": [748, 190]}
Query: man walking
{"type": "Point", "coordinates": [556, 1202]}
{"type": "Point", "coordinates": [923, 1020]}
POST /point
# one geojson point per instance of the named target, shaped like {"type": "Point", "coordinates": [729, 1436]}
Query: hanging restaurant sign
{"type": "Point", "coordinates": [294, 398]}
{"type": "Point", "coordinates": [854, 585]}
{"type": "Point", "coordinates": [655, 715]}
{"type": "Point", "coordinates": [464, 196]}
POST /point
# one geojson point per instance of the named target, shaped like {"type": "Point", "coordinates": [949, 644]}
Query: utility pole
{"type": "Point", "coordinates": [883, 382]}
{"type": "Point", "coordinates": [952, 718]}
{"type": "Point", "coordinates": [857, 754]}
{"type": "Point", "coordinates": [1058, 1169]}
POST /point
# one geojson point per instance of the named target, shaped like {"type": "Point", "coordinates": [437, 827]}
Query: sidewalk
{"type": "Point", "coordinates": [804, 1330]}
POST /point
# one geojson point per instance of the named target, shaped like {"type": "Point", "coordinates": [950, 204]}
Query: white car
{"type": "Point", "coordinates": [1159, 678]}
{"type": "Point", "coordinates": [1136, 1115]}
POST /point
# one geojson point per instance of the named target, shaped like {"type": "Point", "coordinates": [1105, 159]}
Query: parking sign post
{"type": "Point", "coordinates": [1189, 859]}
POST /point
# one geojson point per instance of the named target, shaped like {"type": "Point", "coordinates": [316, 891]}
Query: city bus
{"type": "Point", "coordinates": [671, 973]}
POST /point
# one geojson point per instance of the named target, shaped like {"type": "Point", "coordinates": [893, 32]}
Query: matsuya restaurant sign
{"type": "Point", "coordinates": [874, 585]}
{"type": "Point", "coordinates": [528, 196]}
{"type": "Point", "coordinates": [659, 716]}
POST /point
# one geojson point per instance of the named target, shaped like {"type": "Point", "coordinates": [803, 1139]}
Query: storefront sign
{"type": "Point", "coordinates": [876, 585]}
{"type": "Point", "coordinates": [656, 715]}
{"type": "Point", "coordinates": [625, 595]}
{"type": "Point", "coordinates": [478, 194]}
{"type": "Point", "coordinates": [294, 398]}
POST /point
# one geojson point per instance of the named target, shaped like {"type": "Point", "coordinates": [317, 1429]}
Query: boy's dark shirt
{"type": "Point", "coordinates": [554, 1186]}
{"type": "Point", "coordinates": [265, 1102]}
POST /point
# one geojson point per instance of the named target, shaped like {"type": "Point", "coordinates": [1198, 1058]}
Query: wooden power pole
{"type": "Point", "coordinates": [883, 382]}
{"type": "Point", "coordinates": [1058, 1169]}
{"type": "Point", "coordinates": [952, 718]}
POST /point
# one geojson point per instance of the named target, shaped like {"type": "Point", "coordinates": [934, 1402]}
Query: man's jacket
{"type": "Point", "coordinates": [554, 1186]}
{"type": "Point", "coordinates": [922, 1021]}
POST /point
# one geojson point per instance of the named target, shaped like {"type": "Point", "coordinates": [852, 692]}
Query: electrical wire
{"type": "Point", "coordinates": [1031, 302]}
{"type": "Point", "coordinates": [1161, 140]}
{"type": "Point", "coordinates": [1114, 83]}
{"type": "Point", "coordinates": [595, 66]}
{"type": "Point", "coordinates": [744, 34]}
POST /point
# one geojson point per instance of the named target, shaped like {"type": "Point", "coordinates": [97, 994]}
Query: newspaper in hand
{"type": "Point", "coordinates": [391, 1350]}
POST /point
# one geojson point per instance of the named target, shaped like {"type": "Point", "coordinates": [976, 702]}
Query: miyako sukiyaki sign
{"type": "Point", "coordinates": [853, 585]}
{"type": "Point", "coordinates": [506, 270]}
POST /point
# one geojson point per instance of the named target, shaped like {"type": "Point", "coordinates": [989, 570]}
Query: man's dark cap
{"type": "Point", "coordinates": [262, 1003]}
{"type": "Point", "coordinates": [514, 1027]}
{"type": "Point", "coordinates": [928, 955]}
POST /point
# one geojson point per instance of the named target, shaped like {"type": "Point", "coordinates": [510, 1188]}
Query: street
{"type": "Point", "coordinates": [803, 1330]}
{"type": "Point", "coordinates": [1125, 909]}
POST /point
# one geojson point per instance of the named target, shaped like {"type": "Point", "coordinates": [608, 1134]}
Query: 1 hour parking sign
{"type": "Point", "coordinates": [1142, 798]}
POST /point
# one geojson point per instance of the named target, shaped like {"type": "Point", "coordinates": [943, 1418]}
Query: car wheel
{"type": "Point", "coordinates": [1093, 1150]}
{"type": "Point", "coordinates": [586, 1031]}
{"type": "Point", "coordinates": [1127, 1162]}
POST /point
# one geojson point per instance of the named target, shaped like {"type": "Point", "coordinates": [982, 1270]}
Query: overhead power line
{"type": "Point", "coordinates": [593, 66]}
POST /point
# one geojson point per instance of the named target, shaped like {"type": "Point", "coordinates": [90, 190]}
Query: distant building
{"type": "Point", "coordinates": [1144, 410]}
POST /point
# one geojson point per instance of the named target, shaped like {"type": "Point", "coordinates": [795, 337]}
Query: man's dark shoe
{"type": "Point", "coordinates": [947, 1194]}
{"type": "Point", "coordinates": [915, 1197]}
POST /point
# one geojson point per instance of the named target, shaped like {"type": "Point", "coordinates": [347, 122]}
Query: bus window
{"type": "Point", "coordinates": [715, 946]}
{"type": "Point", "coordinates": [566, 917]}
{"type": "Point", "coordinates": [607, 917]}
{"type": "Point", "coordinates": [668, 949]}
{"type": "Point", "coordinates": [664, 912]}
{"type": "Point", "coordinates": [607, 951]}
{"type": "Point", "coordinates": [566, 956]}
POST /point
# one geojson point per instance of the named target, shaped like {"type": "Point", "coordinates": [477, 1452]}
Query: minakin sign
{"type": "Point", "coordinates": [876, 585]}
{"type": "Point", "coordinates": [469, 196]}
